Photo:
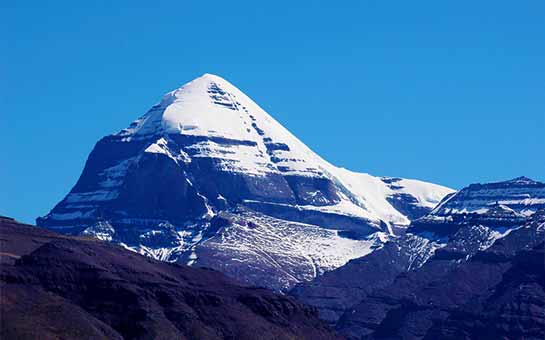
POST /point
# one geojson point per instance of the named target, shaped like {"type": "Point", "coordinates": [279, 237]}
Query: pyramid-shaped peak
{"type": "Point", "coordinates": [204, 81]}
{"type": "Point", "coordinates": [212, 77]}
{"type": "Point", "coordinates": [211, 107]}
{"type": "Point", "coordinates": [202, 87]}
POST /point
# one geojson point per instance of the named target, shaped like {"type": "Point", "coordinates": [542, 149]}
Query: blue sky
{"type": "Point", "coordinates": [451, 92]}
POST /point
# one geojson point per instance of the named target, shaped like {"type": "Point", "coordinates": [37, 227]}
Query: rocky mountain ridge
{"type": "Point", "coordinates": [62, 287]}
{"type": "Point", "coordinates": [434, 245]}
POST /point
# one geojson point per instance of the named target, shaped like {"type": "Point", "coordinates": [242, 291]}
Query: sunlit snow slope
{"type": "Point", "coordinates": [158, 187]}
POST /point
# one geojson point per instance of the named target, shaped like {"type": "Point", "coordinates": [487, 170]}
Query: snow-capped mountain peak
{"type": "Point", "coordinates": [210, 107]}
{"type": "Point", "coordinates": [521, 194]}
{"type": "Point", "coordinates": [206, 106]}
{"type": "Point", "coordinates": [499, 205]}
{"type": "Point", "coordinates": [208, 150]}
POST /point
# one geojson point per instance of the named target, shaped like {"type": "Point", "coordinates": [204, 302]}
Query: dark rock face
{"type": "Point", "coordinates": [336, 291]}
{"type": "Point", "coordinates": [499, 289]}
{"type": "Point", "coordinates": [143, 188]}
{"type": "Point", "coordinates": [54, 286]}
{"type": "Point", "coordinates": [514, 310]}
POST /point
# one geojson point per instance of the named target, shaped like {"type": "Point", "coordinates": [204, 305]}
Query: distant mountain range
{"type": "Point", "coordinates": [206, 177]}
{"type": "Point", "coordinates": [448, 268]}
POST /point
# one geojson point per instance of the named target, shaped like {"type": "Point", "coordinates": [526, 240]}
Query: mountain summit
{"type": "Point", "coordinates": [207, 177]}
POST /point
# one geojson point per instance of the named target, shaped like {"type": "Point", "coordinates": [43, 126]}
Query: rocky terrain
{"type": "Point", "coordinates": [498, 293]}
{"type": "Point", "coordinates": [63, 287]}
{"type": "Point", "coordinates": [434, 247]}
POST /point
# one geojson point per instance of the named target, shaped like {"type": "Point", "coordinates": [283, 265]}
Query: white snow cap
{"type": "Point", "coordinates": [206, 106]}
{"type": "Point", "coordinates": [210, 106]}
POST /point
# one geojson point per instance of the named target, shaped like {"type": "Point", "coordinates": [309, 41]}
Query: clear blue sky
{"type": "Point", "coordinates": [451, 92]}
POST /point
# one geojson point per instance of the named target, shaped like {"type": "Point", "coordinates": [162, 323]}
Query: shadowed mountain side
{"type": "Point", "coordinates": [54, 286]}
{"type": "Point", "coordinates": [495, 294]}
